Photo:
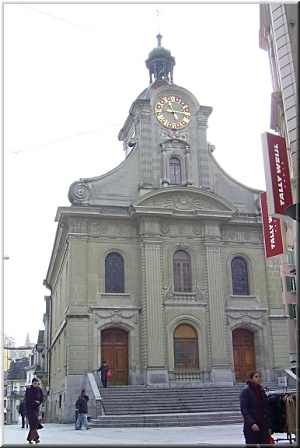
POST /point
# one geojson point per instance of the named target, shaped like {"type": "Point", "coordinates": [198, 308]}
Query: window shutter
{"type": "Point", "coordinates": [290, 284]}
{"type": "Point", "coordinates": [292, 310]}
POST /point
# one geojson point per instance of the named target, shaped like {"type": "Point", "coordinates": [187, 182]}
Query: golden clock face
{"type": "Point", "coordinates": [172, 112]}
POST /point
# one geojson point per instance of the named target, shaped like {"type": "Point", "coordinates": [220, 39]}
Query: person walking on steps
{"type": "Point", "coordinates": [255, 411]}
{"type": "Point", "coordinates": [103, 372]}
{"type": "Point", "coordinates": [33, 398]}
{"type": "Point", "coordinates": [82, 407]}
{"type": "Point", "coordinates": [23, 413]}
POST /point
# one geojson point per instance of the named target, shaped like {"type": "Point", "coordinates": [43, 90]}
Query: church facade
{"type": "Point", "coordinates": [158, 266]}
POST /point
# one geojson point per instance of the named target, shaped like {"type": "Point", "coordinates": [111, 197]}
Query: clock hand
{"type": "Point", "coordinates": [173, 111]}
{"type": "Point", "coordinates": [178, 112]}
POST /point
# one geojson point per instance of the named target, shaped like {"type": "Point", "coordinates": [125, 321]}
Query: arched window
{"type": "Point", "coordinates": [114, 273]}
{"type": "Point", "coordinates": [186, 347]}
{"type": "Point", "coordinates": [239, 272]}
{"type": "Point", "coordinates": [175, 171]}
{"type": "Point", "coordinates": [182, 271]}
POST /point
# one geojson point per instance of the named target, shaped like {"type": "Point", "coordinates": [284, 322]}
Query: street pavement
{"type": "Point", "coordinates": [59, 434]}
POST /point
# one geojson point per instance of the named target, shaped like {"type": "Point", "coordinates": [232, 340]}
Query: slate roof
{"type": "Point", "coordinates": [16, 369]}
{"type": "Point", "coordinates": [40, 339]}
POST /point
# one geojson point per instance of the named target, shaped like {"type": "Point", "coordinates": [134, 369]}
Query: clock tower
{"type": "Point", "coordinates": [168, 125]}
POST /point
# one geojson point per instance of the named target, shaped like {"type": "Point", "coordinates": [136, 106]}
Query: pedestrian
{"type": "Point", "coordinates": [22, 412]}
{"type": "Point", "coordinates": [255, 410]}
{"type": "Point", "coordinates": [33, 398]}
{"type": "Point", "coordinates": [103, 372]}
{"type": "Point", "coordinates": [82, 407]}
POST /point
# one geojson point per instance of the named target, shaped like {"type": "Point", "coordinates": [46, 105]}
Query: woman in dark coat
{"type": "Point", "coordinates": [33, 398]}
{"type": "Point", "coordinates": [255, 410]}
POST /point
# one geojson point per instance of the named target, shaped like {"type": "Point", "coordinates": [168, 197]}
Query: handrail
{"type": "Point", "coordinates": [94, 386]}
{"type": "Point", "coordinates": [96, 393]}
{"type": "Point", "coordinates": [291, 374]}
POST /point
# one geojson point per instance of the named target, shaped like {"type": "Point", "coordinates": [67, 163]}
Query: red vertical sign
{"type": "Point", "coordinates": [277, 173]}
{"type": "Point", "coordinates": [271, 229]}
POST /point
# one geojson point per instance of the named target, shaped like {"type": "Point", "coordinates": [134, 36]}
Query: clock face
{"type": "Point", "coordinates": [172, 112]}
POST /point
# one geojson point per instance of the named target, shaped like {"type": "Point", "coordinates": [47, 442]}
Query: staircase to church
{"type": "Point", "coordinates": [177, 406]}
{"type": "Point", "coordinates": [145, 406]}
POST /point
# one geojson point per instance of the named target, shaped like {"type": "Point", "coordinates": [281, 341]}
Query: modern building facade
{"type": "Point", "coordinates": [158, 266]}
{"type": "Point", "coordinates": [279, 37]}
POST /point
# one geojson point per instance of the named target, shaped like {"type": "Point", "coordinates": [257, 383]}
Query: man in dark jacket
{"type": "Point", "coordinates": [23, 413]}
{"type": "Point", "coordinates": [255, 410]}
{"type": "Point", "coordinates": [103, 371]}
{"type": "Point", "coordinates": [82, 407]}
{"type": "Point", "coordinates": [33, 398]}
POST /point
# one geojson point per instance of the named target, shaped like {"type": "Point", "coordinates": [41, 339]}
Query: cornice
{"type": "Point", "coordinates": [60, 239]}
{"type": "Point", "coordinates": [157, 211]}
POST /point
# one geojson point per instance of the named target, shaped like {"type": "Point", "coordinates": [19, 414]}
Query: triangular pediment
{"type": "Point", "coordinates": [185, 199]}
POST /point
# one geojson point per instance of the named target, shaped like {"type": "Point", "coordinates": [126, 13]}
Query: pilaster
{"type": "Point", "coordinates": [221, 371]}
{"type": "Point", "coordinates": [188, 171]}
{"type": "Point", "coordinates": [164, 181]}
{"type": "Point", "coordinates": [156, 372]}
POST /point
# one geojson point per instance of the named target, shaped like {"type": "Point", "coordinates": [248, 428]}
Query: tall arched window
{"type": "Point", "coordinates": [175, 171]}
{"type": "Point", "coordinates": [239, 272]}
{"type": "Point", "coordinates": [114, 273]}
{"type": "Point", "coordinates": [186, 351]}
{"type": "Point", "coordinates": [182, 271]}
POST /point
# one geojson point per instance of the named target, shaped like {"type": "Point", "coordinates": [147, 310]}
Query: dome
{"type": "Point", "coordinates": [159, 52]}
{"type": "Point", "coordinates": [160, 63]}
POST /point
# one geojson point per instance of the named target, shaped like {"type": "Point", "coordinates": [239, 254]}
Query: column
{"type": "Point", "coordinates": [221, 364]}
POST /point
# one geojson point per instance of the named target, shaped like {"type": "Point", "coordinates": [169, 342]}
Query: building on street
{"type": "Point", "coordinates": [279, 38]}
{"type": "Point", "coordinates": [15, 388]}
{"type": "Point", "coordinates": [158, 266]}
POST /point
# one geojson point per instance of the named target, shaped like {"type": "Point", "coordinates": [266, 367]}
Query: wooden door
{"type": "Point", "coordinates": [243, 353]}
{"type": "Point", "coordinates": [114, 350]}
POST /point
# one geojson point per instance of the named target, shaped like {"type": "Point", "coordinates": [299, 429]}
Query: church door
{"type": "Point", "coordinates": [243, 353]}
{"type": "Point", "coordinates": [114, 350]}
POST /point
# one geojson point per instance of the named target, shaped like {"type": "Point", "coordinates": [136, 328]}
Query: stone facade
{"type": "Point", "coordinates": [134, 210]}
{"type": "Point", "coordinates": [279, 38]}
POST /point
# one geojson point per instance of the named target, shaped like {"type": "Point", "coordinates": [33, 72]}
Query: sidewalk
{"type": "Point", "coordinates": [55, 434]}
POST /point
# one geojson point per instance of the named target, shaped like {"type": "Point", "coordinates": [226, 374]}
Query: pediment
{"type": "Point", "coordinates": [185, 199]}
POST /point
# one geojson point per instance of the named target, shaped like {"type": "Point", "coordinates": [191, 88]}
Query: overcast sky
{"type": "Point", "coordinates": [71, 73]}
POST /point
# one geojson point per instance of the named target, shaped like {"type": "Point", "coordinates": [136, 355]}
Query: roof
{"type": "Point", "coordinates": [16, 369]}
{"type": "Point", "coordinates": [145, 94]}
{"type": "Point", "coordinates": [40, 339]}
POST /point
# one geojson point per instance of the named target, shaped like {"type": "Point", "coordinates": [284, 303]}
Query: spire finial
{"type": "Point", "coordinates": [158, 22]}
{"type": "Point", "coordinates": [159, 38]}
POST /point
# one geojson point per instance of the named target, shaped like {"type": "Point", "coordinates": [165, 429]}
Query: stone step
{"type": "Point", "coordinates": [170, 402]}
{"type": "Point", "coordinates": [167, 410]}
{"type": "Point", "coordinates": [170, 397]}
{"type": "Point", "coordinates": [169, 391]}
{"type": "Point", "coordinates": [184, 406]}
{"type": "Point", "coordinates": [183, 387]}
{"type": "Point", "coordinates": [159, 420]}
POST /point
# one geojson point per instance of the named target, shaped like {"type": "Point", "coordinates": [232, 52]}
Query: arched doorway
{"type": "Point", "coordinates": [114, 350]}
{"type": "Point", "coordinates": [186, 350]}
{"type": "Point", "coordinates": [243, 353]}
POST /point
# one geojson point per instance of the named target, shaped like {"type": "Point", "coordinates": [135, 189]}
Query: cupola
{"type": "Point", "coordinates": [160, 63]}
